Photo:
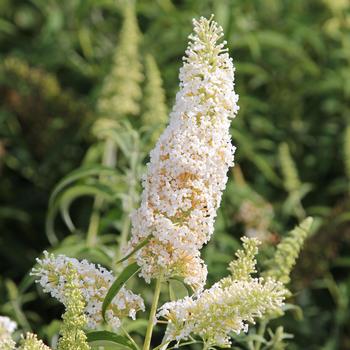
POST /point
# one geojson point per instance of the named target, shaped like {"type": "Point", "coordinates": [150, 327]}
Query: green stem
{"type": "Point", "coordinates": [147, 343]}
{"type": "Point", "coordinates": [94, 222]}
{"type": "Point", "coordinates": [206, 346]}
{"type": "Point", "coordinates": [22, 320]}
{"type": "Point", "coordinates": [124, 234]}
{"type": "Point", "coordinates": [109, 159]}
{"type": "Point", "coordinates": [251, 345]}
{"type": "Point", "coordinates": [300, 211]}
{"type": "Point", "coordinates": [129, 337]}
{"type": "Point", "coordinates": [261, 332]}
{"type": "Point", "coordinates": [184, 344]}
{"type": "Point", "coordinates": [162, 346]}
{"type": "Point", "coordinates": [123, 239]}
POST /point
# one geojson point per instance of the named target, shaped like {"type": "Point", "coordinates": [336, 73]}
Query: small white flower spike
{"type": "Point", "coordinates": [218, 311]}
{"type": "Point", "coordinates": [7, 327]}
{"type": "Point", "coordinates": [94, 282]}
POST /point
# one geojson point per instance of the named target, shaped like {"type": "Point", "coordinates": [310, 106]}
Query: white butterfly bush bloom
{"type": "Point", "coordinates": [94, 281]}
{"type": "Point", "coordinates": [219, 311]}
{"type": "Point", "coordinates": [188, 166]}
{"type": "Point", "coordinates": [31, 342]}
{"type": "Point", "coordinates": [228, 306]}
{"type": "Point", "coordinates": [7, 327]}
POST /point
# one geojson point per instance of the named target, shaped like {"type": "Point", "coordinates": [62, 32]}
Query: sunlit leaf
{"type": "Point", "coordinates": [105, 337]}
{"type": "Point", "coordinates": [124, 276]}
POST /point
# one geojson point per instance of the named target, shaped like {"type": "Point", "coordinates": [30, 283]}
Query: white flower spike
{"type": "Point", "coordinates": [188, 166]}
{"type": "Point", "coordinates": [94, 281]}
{"type": "Point", "coordinates": [218, 311]}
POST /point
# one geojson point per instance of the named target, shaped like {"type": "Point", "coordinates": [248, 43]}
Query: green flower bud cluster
{"type": "Point", "coordinates": [228, 306]}
{"type": "Point", "coordinates": [121, 91]}
{"type": "Point", "coordinates": [154, 116]}
{"type": "Point", "coordinates": [19, 70]}
{"type": "Point", "coordinates": [288, 251]}
{"type": "Point", "coordinates": [74, 319]}
{"type": "Point", "coordinates": [244, 266]}
{"type": "Point", "coordinates": [289, 170]}
{"type": "Point", "coordinates": [31, 342]}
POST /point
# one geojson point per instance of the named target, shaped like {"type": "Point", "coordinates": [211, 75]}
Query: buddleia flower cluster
{"type": "Point", "coordinates": [288, 251]}
{"type": "Point", "coordinates": [188, 166]}
{"type": "Point", "coordinates": [28, 342]}
{"type": "Point", "coordinates": [121, 91]}
{"type": "Point", "coordinates": [290, 173]}
{"type": "Point", "coordinates": [46, 84]}
{"type": "Point", "coordinates": [7, 327]}
{"type": "Point", "coordinates": [17, 73]}
{"type": "Point", "coordinates": [31, 342]}
{"type": "Point", "coordinates": [53, 273]}
{"type": "Point", "coordinates": [244, 265]}
{"type": "Point", "coordinates": [154, 116]}
{"type": "Point", "coordinates": [228, 306]}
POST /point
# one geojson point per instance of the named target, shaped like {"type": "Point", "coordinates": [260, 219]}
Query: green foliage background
{"type": "Point", "coordinates": [292, 61]}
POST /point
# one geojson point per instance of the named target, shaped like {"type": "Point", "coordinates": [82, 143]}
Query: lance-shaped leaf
{"type": "Point", "coordinates": [125, 275]}
{"type": "Point", "coordinates": [64, 201]}
{"type": "Point", "coordinates": [137, 247]}
{"type": "Point", "coordinates": [82, 172]}
{"type": "Point", "coordinates": [105, 337]}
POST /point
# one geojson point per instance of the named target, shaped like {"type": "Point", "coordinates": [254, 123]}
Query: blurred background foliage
{"type": "Point", "coordinates": [59, 62]}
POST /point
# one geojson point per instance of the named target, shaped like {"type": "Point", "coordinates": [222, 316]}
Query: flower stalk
{"type": "Point", "coordinates": [109, 160]}
{"type": "Point", "coordinates": [119, 98]}
{"type": "Point", "coordinates": [152, 315]}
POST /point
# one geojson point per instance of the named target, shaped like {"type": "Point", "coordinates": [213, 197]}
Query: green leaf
{"type": "Point", "coordinates": [104, 337]}
{"type": "Point", "coordinates": [342, 218]}
{"type": "Point", "coordinates": [64, 209]}
{"type": "Point", "coordinates": [26, 282]}
{"type": "Point", "coordinates": [125, 275]}
{"type": "Point", "coordinates": [245, 143]}
{"type": "Point", "coordinates": [69, 250]}
{"type": "Point", "coordinates": [64, 201]}
{"type": "Point", "coordinates": [139, 326]}
{"type": "Point", "coordinates": [71, 194]}
{"type": "Point", "coordinates": [77, 174]}
{"type": "Point", "coordinates": [181, 280]}
{"type": "Point", "coordinates": [177, 290]}
{"type": "Point", "coordinates": [255, 337]}
{"type": "Point", "coordinates": [297, 310]}
{"type": "Point", "coordinates": [95, 255]}
{"type": "Point", "coordinates": [7, 27]}
{"type": "Point", "coordinates": [138, 247]}
{"type": "Point", "coordinates": [342, 262]}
